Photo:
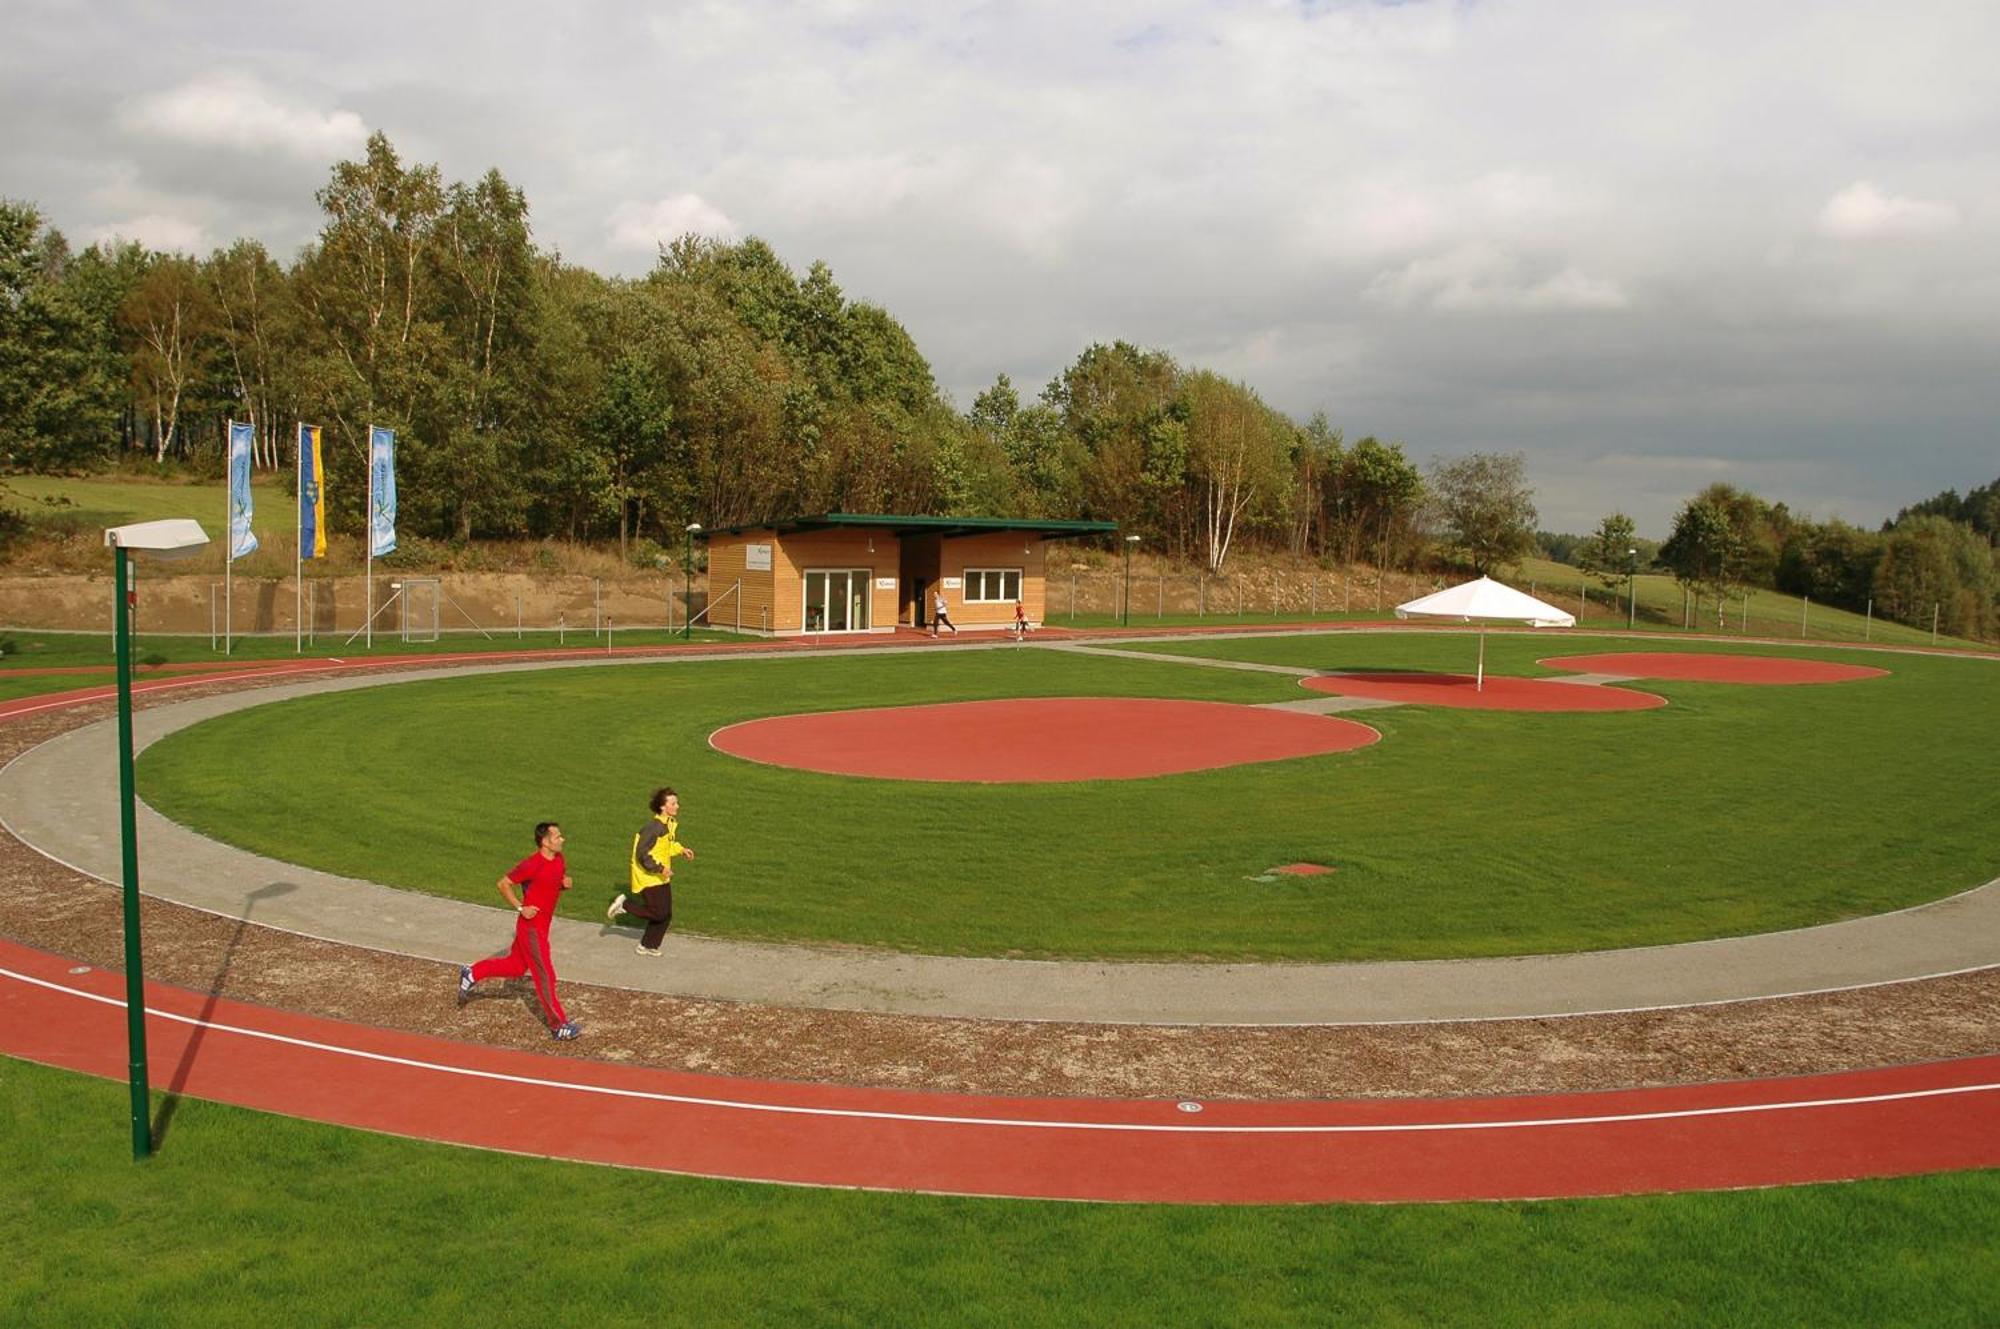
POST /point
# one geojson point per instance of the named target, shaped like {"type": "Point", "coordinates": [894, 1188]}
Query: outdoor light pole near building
{"type": "Point", "coordinates": [1130, 540]}
{"type": "Point", "coordinates": [176, 537]}
{"type": "Point", "coordinates": [687, 581]}
{"type": "Point", "coordinates": [1632, 588]}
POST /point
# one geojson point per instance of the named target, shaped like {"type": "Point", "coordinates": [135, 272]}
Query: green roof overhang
{"type": "Point", "coordinates": [946, 527]}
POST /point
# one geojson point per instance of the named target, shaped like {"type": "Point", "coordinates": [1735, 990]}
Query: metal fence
{"type": "Point", "coordinates": [330, 610]}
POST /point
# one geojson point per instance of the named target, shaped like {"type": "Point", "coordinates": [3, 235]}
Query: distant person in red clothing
{"type": "Point", "coordinates": [545, 877]}
{"type": "Point", "coordinates": [1020, 621]}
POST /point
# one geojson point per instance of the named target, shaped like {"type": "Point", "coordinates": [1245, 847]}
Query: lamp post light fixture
{"type": "Point", "coordinates": [175, 537]}
{"type": "Point", "coordinates": [1632, 589]}
{"type": "Point", "coordinates": [687, 581]}
{"type": "Point", "coordinates": [1130, 540]}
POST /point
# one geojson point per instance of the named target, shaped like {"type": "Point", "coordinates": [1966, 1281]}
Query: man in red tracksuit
{"type": "Point", "coordinates": [545, 876]}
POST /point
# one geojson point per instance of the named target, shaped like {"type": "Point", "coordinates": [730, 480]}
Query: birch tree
{"type": "Point", "coordinates": [245, 286]}
{"type": "Point", "coordinates": [1236, 456]}
{"type": "Point", "coordinates": [168, 317]}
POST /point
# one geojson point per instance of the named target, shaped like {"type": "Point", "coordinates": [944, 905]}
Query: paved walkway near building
{"type": "Point", "coordinates": [61, 798]}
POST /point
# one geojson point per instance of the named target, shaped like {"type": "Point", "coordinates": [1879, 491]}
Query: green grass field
{"type": "Point", "coordinates": [90, 502]}
{"type": "Point", "coordinates": [26, 652]}
{"type": "Point", "coordinates": [1733, 810]}
{"type": "Point", "coordinates": [247, 1219]}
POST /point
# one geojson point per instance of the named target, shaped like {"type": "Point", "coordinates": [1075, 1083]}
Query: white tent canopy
{"type": "Point", "coordinates": [1486, 601]}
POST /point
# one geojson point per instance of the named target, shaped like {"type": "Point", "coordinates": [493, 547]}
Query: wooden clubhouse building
{"type": "Point", "coordinates": [843, 572]}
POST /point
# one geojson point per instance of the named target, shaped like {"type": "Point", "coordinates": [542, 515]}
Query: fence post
{"type": "Point", "coordinates": [1868, 623]}
{"type": "Point", "coordinates": [1687, 608]}
{"type": "Point", "coordinates": [1072, 595]}
{"type": "Point", "coordinates": [1313, 610]}
{"type": "Point", "coordinates": [739, 606]}
{"type": "Point", "coordinates": [1744, 626]}
{"type": "Point", "coordinates": [1805, 605]}
{"type": "Point", "coordinates": [562, 626]}
{"type": "Point", "coordinates": [1201, 595]}
{"type": "Point", "coordinates": [517, 616]}
{"type": "Point", "coordinates": [1160, 611]}
{"type": "Point", "coordinates": [1239, 597]}
{"type": "Point", "coordinates": [1582, 599]}
{"type": "Point", "coordinates": [597, 614]}
{"type": "Point", "coordinates": [1934, 622]}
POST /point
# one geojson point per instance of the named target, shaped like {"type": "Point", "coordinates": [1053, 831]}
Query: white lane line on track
{"type": "Point", "coordinates": [738, 1105]}
{"type": "Point", "coordinates": [152, 686]}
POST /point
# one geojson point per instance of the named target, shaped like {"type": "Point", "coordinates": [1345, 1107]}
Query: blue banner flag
{"type": "Point", "coordinates": [382, 490]}
{"type": "Point", "coordinates": [312, 495]}
{"type": "Point", "coordinates": [242, 540]}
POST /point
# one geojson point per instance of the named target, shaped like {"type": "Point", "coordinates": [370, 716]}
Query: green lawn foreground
{"type": "Point", "coordinates": [1733, 810]}
{"type": "Point", "coordinates": [242, 1216]}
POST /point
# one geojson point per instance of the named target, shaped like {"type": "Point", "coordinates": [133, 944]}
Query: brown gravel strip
{"type": "Point", "coordinates": [61, 911]}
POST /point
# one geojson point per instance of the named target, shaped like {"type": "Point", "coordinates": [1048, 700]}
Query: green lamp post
{"type": "Point", "coordinates": [176, 537]}
{"type": "Point", "coordinates": [687, 580]}
{"type": "Point", "coordinates": [1632, 589]}
{"type": "Point", "coordinates": [1130, 540]}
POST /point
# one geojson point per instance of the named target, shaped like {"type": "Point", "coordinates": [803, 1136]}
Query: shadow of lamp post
{"type": "Point", "coordinates": [175, 537]}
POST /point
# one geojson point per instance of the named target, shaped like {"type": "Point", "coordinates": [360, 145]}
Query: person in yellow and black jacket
{"type": "Point", "coordinates": [654, 850]}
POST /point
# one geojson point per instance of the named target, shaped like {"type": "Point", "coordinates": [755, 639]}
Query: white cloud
{"type": "Point", "coordinates": [1863, 212]}
{"type": "Point", "coordinates": [1403, 213]}
{"type": "Point", "coordinates": [233, 110]}
{"type": "Point", "coordinates": [157, 230]}
{"type": "Point", "coordinates": [1482, 279]}
{"type": "Point", "coordinates": [848, 188]}
{"type": "Point", "coordinates": [647, 226]}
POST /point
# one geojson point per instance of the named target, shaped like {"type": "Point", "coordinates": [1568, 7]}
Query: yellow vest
{"type": "Point", "coordinates": [665, 849]}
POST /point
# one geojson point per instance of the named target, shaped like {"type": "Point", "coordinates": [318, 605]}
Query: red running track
{"type": "Point", "coordinates": [1926, 1118]}
{"type": "Point", "coordinates": [1501, 693]}
{"type": "Point", "coordinates": [1038, 740]}
{"type": "Point", "coordinates": [1698, 668]}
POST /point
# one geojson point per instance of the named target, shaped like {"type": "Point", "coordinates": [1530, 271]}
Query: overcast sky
{"type": "Point", "coordinates": [1650, 245]}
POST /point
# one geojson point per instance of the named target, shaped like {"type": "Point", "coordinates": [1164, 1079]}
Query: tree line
{"type": "Point", "coordinates": [533, 397]}
{"type": "Point", "coordinates": [1933, 561]}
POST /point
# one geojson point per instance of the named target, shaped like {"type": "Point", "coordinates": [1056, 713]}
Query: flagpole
{"type": "Point", "coordinates": [299, 554]}
{"type": "Point", "coordinates": [229, 525]}
{"type": "Point", "coordinates": [368, 540]}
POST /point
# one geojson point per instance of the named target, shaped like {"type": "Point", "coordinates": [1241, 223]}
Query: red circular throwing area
{"type": "Point", "coordinates": [1697, 668]}
{"type": "Point", "coordinates": [1499, 694]}
{"type": "Point", "coordinates": [1038, 740]}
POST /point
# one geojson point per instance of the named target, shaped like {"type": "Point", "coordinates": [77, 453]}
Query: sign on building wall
{"type": "Point", "coordinates": [885, 583]}
{"type": "Point", "coordinates": [757, 558]}
{"type": "Point", "coordinates": [953, 583]}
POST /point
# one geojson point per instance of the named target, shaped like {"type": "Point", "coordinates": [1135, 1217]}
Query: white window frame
{"type": "Point", "coordinates": [980, 575]}
{"type": "Point", "coordinates": [868, 600]}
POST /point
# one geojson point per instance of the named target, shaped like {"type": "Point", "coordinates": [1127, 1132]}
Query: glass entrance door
{"type": "Point", "coordinates": [837, 601]}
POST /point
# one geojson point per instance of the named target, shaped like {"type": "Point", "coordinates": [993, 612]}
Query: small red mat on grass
{"type": "Point", "coordinates": [1499, 694]}
{"type": "Point", "coordinates": [1038, 740]}
{"type": "Point", "coordinates": [1697, 668]}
